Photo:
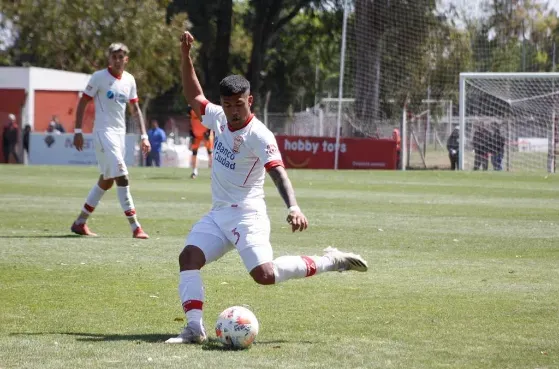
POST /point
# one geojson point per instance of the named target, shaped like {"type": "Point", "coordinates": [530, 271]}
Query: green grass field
{"type": "Point", "coordinates": [464, 273]}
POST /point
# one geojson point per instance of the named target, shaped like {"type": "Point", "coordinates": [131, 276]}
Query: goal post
{"type": "Point", "coordinates": [508, 121]}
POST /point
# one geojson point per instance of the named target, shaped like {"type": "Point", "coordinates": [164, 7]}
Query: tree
{"type": "Point", "coordinates": [389, 35]}
{"type": "Point", "coordinates": [265, 19]}
{"type": "Point", "coordinates": [75, 34]}
{"type": "Point", "coordinates": [303, 55]}
{"type": "Point", "coordinates": [212, 27]}
{"type": "Point", "coordinates": [523, 35]}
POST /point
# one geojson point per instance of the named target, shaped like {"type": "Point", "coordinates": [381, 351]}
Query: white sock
{"type": "Point", "coordinates": [195, 171]}
{"type": "Point", "coordinates": [191, 291]}
{"type": "Point", "coordinates": [127, 205]}
{"type": "Point", "coordinates": [290, 267]}
{"type": "Point", "coordinates": [91, 202]}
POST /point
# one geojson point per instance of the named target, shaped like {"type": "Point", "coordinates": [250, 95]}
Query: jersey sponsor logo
{"type": "Point", "coordinates": [223, 155]}
{"type": "Point", "coordinates": [237, 142]}
{"type": "Point", "coordinates": [271, 149]}
{"type": "Point", "coordinates": [118, 97]}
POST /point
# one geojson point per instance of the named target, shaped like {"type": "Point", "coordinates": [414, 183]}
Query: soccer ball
{"type": "Point", "coordinates": [236, 327]}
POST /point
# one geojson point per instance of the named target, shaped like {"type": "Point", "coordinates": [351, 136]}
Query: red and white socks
{"type": "Point", "coordinates": [191, 291]}
{"type": "Point", "coordinates": [291, 267]}
{"type": "Point", "coordinates": [91, 203]}
{"type": "Point", "coordinates": [127, 204]}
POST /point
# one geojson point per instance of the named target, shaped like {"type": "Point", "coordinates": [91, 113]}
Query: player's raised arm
{"type": "Point", "coordinates": [191, 88]}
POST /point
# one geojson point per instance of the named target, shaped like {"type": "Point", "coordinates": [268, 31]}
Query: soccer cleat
{"type": "Point", "coordinates": [82, 230]}
{"type": "Point", "coordinates": [139, 233]}
{"type": "Point", "coordinates": [190, 334]}
{"type": "Point", "coordinates": [193, 175]}
{"type": "Point", "coordinates": [345, 260]}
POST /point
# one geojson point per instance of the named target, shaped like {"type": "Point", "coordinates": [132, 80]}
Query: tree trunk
{"type": "Point", "coordinates": [257, 56]}
{"type": "Point", "coordinates": [220, 62]}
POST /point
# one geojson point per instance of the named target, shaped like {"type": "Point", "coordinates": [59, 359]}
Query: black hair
{"type": "Point", "coordinates": [233, 85]}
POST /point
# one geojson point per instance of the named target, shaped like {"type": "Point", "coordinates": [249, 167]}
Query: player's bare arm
{"type": "Point", "coordinates": [78, 137]}
{"type": "Point", "coordinates": [139, 117]}
{"type": "Point", "coordinates": [295, 217]}
{"type": "Point", "coordinates": [191, 88]}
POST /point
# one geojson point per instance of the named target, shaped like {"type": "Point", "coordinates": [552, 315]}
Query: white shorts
{"type": "Point", "coordinates": [109, 151]}
{"type": "Point", "coordinates": [221, 230]}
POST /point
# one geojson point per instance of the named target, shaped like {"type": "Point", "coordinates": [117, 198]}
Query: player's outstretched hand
{"type": "Point", "coordinates": [145, 146]}
{"type": "Point", "coordinates": [186, 42]}
{"type": "Point", "coordinates": [78, 141]}
{"type": "Point", "coordinates": [297, 220]}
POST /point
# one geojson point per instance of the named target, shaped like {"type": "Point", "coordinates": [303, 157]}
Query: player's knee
{"type": "Point", "coordinates": [105, 184]}
{"type": "Point", "coordinates": [263, 274]}
{"type": "Point", "coordinates": [122, 181]}
{"type": "Point", "coordinates": [191, 258]}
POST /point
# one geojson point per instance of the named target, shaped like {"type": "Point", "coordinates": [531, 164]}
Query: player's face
{"type": "Point", "coordinates": [118, 61]}
{"type": "Point", "coordinates": [237, 107]}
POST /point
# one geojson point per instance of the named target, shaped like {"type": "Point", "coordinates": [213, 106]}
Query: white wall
{"type": "Point", "coordinates": [32, 78]}
{"type": "Point", "coordinates": [14, 77]}
{"type": "Point", "coordinates": [57, 80]}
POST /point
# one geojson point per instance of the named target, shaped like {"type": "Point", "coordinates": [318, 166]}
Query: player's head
{"type": "Point", "coordinates": [235, 98]}
{"type": "Point", "coordinates": [154, 123]}
{"type": "Point", "coordinates": [118, 57]}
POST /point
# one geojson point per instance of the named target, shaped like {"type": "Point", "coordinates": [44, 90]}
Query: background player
{"type": "Point", "coordinates": [198, 134]}
{"type": "Point", "coordinates": [112, 89]}
{"type": "Point", "coordinates": [244, 149]}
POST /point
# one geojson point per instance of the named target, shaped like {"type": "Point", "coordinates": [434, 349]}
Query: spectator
{"type": "Point", "coordinates": [52, 129]}
{"type": "Point", "coordinates": [26, 133]}
{"type": "Point", "coordinates": [453, 147]}
{"type": "Point", "coordinates": [481, 142]}
{"type": "Point", "coordinates": [497, 148]}
{"type": "Point", "coordinates": [396, 137]}
{"type": "Point", "coordinates": [57, 125]}
{"type": "Point", "coordinates": [156, 138]}
{"type": "Point", "coordinates": [10, 138]}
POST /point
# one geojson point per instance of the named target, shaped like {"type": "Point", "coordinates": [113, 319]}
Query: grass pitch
{"type": "Point", "coordinates": [464, 273]}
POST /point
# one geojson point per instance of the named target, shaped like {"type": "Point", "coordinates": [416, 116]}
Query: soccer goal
{"type": "Point", "coordinates": [509, 121]}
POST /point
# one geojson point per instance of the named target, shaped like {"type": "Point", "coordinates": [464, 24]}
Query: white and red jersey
{"type": "Point", "coordinates": [240, 159]}
{"type": "Point", "coordinates": [111, 94]}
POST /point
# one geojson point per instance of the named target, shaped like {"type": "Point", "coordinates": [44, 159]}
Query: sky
{"type": "Point", "coordinates": [474, 5]}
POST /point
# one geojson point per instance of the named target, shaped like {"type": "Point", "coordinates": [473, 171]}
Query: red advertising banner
{"type": "Point", "coordinates": [355, 153]}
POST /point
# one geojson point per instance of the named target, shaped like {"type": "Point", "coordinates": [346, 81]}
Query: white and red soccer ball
{"type": "Point", "coordinates": [236, 327]}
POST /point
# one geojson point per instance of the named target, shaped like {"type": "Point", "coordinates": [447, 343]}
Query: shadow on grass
{"type": "Point", "coordinates": [43, 236]}
{"type": "Point", "coordinates": [212, 344]}
{"type": "Point", "coordinates": [96, 337]}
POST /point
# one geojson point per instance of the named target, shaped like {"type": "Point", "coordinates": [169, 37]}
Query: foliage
{"type": "Point", "coordinates": [74, 35]}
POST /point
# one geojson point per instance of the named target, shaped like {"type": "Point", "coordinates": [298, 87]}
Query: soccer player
{"type": "Point", "coordinates": [198, 134]}
{"type": "Point", "coordinates": [112, 89]}
{"type": "Point", "coordinates": [244, 150]}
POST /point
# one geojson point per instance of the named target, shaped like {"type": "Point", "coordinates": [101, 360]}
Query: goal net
{"type": "Point", "coordinates": [509, 121]}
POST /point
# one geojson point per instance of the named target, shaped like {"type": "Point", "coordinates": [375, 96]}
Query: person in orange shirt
{"type": "Point", "coordinates": [199, 134]}
{"type": "Point", "coordinates": [396, 137]}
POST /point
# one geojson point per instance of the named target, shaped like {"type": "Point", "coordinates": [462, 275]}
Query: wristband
{"type": "Point", "coordinates": [294, 208]}
{"type": "Point", "coordinates": [144, 137]}
{"type": "Point", "coordinates": [77, 130]}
